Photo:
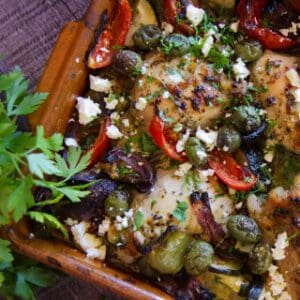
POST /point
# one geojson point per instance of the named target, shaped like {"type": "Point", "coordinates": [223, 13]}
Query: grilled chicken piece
{"type": "Point", "coordinates": [279, 101]}
{"type": "Point", "coordinates": [193, 98]}
{"type": "Point", "coordinates": [169, 190]}
{"type": "Point", "coordinates": [281, 213]}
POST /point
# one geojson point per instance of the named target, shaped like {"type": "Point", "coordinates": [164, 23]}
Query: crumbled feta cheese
{"type": "Point", "coordinates": [293, 76]}
{"type": "Point", "coordinates": [141, 103]}
{"type": "Point", "coordinates": [240, 69]}
{"type": "Point", "coordinates": [201, 154]}
{"type": "Point", "coordinates": [194, 14]}
{"type": "Point", "coordinates": [208, 138]}
{"type": "Point", "coordinates": [125, 122]}
{"type": "Point", "coordinates": [234, 26]}
{"type": "Point", "coordinates": [293, 29]}
{"type": "Point", "coordinates": [181, 143]}
{"type": "Point", "coordinates": [254, 205]}
{"type": "Point", "coordinates": [144, 69]}
{"type": "Point", "coordinates": [204, 174]}
{"type": "Point", "coordinates": [167, 28]}
{"type": "Point", "coordinates": [280, 245]}
{"type": "Point", "coordinates": [183, 169]}
{"type": "Point", "coordinates": [90, 243]}
{"type": "Point", "coordinates": [269, 156]}
{"type": "Point", "coordinates": [99, 84]}
{"type": "Point", "coordinates": [113, 132]}
{"type": "Point", "coordinates": [139, 237]}
{"type": "Point", "coordinates": [166, 94]}
{"type": "Point", "coordinates": [276, 284]}
{"type": "Point", "coordinates": [70, 142]}
{"type": "Point", "coordinates": [175, 77]}
{"type": "Point", "coordinates": [111, 103]}
{"type": "Point", "coordinates": [123, 222]}
{"type": "Point", "coordinates": [209, 41]}
{"type": "Point", "coordinates": [115, 116]}
{"type": "Point", "coordinates": [87, 109]}
{"type": "Point", "coordinates": [104, 226]}
{"type": "Point", "coordinates": [296, 94]}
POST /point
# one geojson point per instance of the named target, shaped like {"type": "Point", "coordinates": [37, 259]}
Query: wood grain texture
{"type": "Point", "coordinates": [28, 31]}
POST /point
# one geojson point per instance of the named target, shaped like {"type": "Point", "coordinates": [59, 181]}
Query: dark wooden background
{"type": "Point", "coordinates": [28, 31]}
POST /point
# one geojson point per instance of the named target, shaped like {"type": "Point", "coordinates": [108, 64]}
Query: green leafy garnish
{"type": "Point", "coordinates": [180, 210]}
{"type": "Point", "coordinates": [138, 220]}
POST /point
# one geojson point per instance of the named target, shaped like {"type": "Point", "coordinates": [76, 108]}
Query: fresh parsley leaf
{"type": "Point", "coordinates": [180, 210]}
{"type": "Point", "coordinates": [73, 193]}
{"type": "Point", "coordinates": [48, 219]}
{"type": "Point", "coordinates": [153, 203]}
{"type": "Point", "coordinates": [23, 289]}
{"type": "Point", "coordinates": [218, 59]}
{"type": "Point", "coordinates": [138, 220]}
{"type": "Point", "coordinates": [5, 253]}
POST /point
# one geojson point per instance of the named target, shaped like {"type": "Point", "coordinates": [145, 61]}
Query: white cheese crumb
{"type": "Point", "coordinates": [234, 26]}
{"type": "Point", "coordinates": [204, 174]}
{"type": "Point", "coordinates": [167, 28]}
{"type": "Point", "coordinates": [139, 237]}
{"type": "Point", "coordinates": [296, 94]}
{"type": "Point", "coordinates": [208, 138]}
{"type": "Point", "coordinates": [278, 252]}
{"type": "Point", "coordinates": [113, 132]}
{"type": "Point", "coordinates": [254, 205]}
{"type": "Point", "coordinates": [166, 94]}
{"type": "Point", "coordinates": [99, 84]}
{"type": "Point", "coordinates": [141, 103]}
{"type": "Point", "coordinates": [71, 142]}
{"type": "Point", "coordinates": [104, 226]}
{"type": "Point", "coordinates": [123, 222]}
{"type": "Point", "coordinates": [277, 285]}
{"type": "Point", "coordinates": [209, 41]}
{"type": "Point", "coordinates": [183, 169]}
{"type": "Point", "coordinates": [111, 102]}
{"type": "Point", "coordinates": [125, 122]}
{"type": "Point", "coordinates": [240, 69]}
{"type": "Point", "coordinates": [181, 143]}
{"type": "Point", "coordinates": [144, 69]}
{"type": "Point", "coordinates": [98, 253]}
{"type": "Point", "coordinates": [115, 116]}
{"type": "Point", "coordinates": [87, 109]}
{"type": "Point", "coordinates": [194, 14]}
{"type": "Point", "coordinates": [293, 76]}
{"type": "Point", "coordinates": [175, 78]}
{"type": "Point", "coordinates": [77, 60]}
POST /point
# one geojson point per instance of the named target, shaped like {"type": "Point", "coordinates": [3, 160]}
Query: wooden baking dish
{"type": "Point", "coordinates": [65, 77]}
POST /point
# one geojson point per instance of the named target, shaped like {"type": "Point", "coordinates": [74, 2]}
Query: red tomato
{"type": "Point", "coordinates": [251, 21]}
{"type": "Point", "coordinates": [101, 144]}
{"type": "Point", "coordinates": [230, 172]}
{"type": "Point", "coordinates": [113, 35]}
{"type": "Point", "coordinates": [156, 130]}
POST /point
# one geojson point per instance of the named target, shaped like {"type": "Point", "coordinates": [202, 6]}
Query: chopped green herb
{"type": "Point", "coordinates": [138, 220]}
{"type": "Point", "coordinates": [153, 203]}
{"type": "Point", "coordinates": [180, 210]}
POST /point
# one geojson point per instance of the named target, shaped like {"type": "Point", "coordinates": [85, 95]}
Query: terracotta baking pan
{"type": "Point", "coordinates": [64, 78]}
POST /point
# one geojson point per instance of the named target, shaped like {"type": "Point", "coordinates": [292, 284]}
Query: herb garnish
{"type": "Point", "coordinates": [180, 210]}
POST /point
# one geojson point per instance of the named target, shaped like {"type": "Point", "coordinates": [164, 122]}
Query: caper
{"type": "Point", "coordinates": [175, 44]}
{"type": "Point", "coordinates": [195, 152]}
{"type": "Point", "coordinates": [198, 258]}
{"type": "Point", "coordinates": [260, 259]}
{"type": "Point", "coordinates": [116, 203]}
{"type": "Point", "coordinates": [243, 229]}
{"type": "Point", "coordinates": [246, 118]}
{"type": "Point", "coordinates": [147, 37]}
{"type": "Point", "coordinates": [249, 50]}
{"type": "Point", "coordinates": [229, 139]}
{"type": "Point", "coordinates": [127, 62]}
{"type": "Point", "coordinates": [168, 257]}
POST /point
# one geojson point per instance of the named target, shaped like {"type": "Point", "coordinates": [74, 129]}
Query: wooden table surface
{"type": "Point", "coordinates": [28, 31]}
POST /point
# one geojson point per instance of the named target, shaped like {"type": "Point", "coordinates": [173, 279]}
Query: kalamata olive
{"type": "Point", "coordinates": [168, 257]}
{"type": "Point", "coordinates": [198, 258]}
{"type": "Point", "coordinates": [116, 203]}
{"type": "Point", "coordinates": [246, 118]}
{"type": "Point", "coordinates": [229, 139]}
{"type": "Point", "coordinates": [249, 50]}
{"type": "Point", "coordinates": [243, 229]}
{"type": "Point", "coordinates": [147, 37]}
{"type": "Point", "coordinates": [175, 44]}
{"type": "Point", "coordinates": [195, 152]}
{"type": "Point", "coordinates": [127, 62]}
{"type": "Point", "coordinates": [260, 259]}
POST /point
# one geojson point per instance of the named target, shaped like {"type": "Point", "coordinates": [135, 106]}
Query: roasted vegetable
{"type": "Point", "coordinates": [249, 50]}
{"type": "Point", "coordinates": [198, 258]}
{"type": "Point", "coordinates": [195, 152]}
{"type": "Point", "coordinates": [116, 203]}
{"type": "Point", "coordinates": [168, 257]}
{"type": "Point", "coordinates": [147, 37]}
{"type": "Point", "coordinates": [243, 228]}
{"type": "Point", "coordinates": [225, 266]}
{"type": "Point", "coordinates": [229, 139]}
{"type": "Point", "coordinates": [127, 62]}
{"type": "Point", "coordinates": [260, 259]}
{"type": "Point", "coordinates": [175, 44]}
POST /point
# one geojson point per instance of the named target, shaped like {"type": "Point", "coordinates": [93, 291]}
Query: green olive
{"type": "Point", "coordinates": [260, 259]}
{"type": "Point", "coordinates": [243, 229]}
{"type": "Point", "coordinates": [175, 44]}
{"type": "Point", "coordinates": [229, 139]}
{"type": "Point", "coordinates": [249, 50]}
{"type": "Point", "coordinates": [246, 118]}
{"type": "Point", "coordinates": [147, 37]}
{"type": "Point", "coordinates": [127, 62]}
{"type": "Point", "coordinates": [168, 257]}
{"type": "Point", "coordinates": [116, 203]}
{"type": "Point", "coordinates": [198, 258]}
{"type": "Point", "coordinates": [195, 152]}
